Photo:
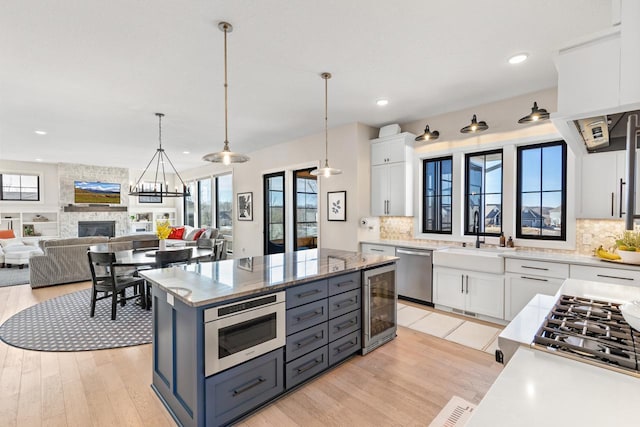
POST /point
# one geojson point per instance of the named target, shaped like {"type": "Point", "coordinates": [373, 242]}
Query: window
{"type": "Point", "coordinates": [224, 204]}
{"type": "Point", "coordinates": [305, 193]}
{"type": "Point", "coordinates": [437, 195]}
{"type": "Point", "coordinates": [274, 213]}
{"type": "Point", "coordinates": [483, 193]}
{"type": "Point", "coordinates": [16, 187]}
{"type": "Point", "coordinates": [205, 207]}
{"type": "Point", "coordinates": [541, 198]}
{"type": "Point", "coordinates": [211, 199]}
{"type": "Point", "coordinates": [190, 205]}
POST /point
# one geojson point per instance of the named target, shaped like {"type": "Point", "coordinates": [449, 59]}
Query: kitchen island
{"type": "Point", "coordinates": [231, 336]}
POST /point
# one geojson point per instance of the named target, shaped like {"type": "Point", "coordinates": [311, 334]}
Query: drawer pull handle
{"type": "Point", "coordinates": [312, 364]}
{"type": "Point", "coordinates": [309, 340]}
{"type": "Point", "coordinates": [308, 316]}
{"type": "Point", "coordinates": [346, 346]}
{"type": "Point", "coordinates": [346, 302]}
{"type": "Point", "coordinates": [534, 278]}
{"type": "Point", "coordinates": [535, 268]}
{"type": "Point", "coordinates": [341, 284]}
{"type": "Point", "coordinates": [248, 387]}
{"type": "Point", "coordinates": [615, 277]}
{"type": "Point", "coordinates": [308, 293]}
{"type": "Point", "coordinates": [376, 250]}
{"type": "Point", "coordinates": [346, 324]}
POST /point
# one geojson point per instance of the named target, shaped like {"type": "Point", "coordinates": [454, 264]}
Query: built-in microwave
{"type": "Point", "coordinates": [237, 332]}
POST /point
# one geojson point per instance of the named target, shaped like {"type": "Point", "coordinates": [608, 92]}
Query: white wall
{"type": "Point", "coordinates": [348, 150]}
{"type": "Point", "coordinates": [49, 186]}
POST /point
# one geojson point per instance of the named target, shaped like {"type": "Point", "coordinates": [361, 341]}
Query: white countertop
{"type": "Point", "coordinates": [542, 389]}
{"type": "Point", "coordinates": [538, 388]}
{"type": "Point", "coordinates": [515, 254]}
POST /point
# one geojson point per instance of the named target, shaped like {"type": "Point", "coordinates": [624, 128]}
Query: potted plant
{"type": "Point", "coordinates": [628, 246]}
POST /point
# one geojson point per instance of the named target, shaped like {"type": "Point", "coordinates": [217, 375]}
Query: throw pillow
{"type": "Point", "coordinates": [191, 234]}
{"type": "Point", "coordinates": [5, 243]}
{"type": "Point", "coordinates": [198, 234]}
{"type": "Point", "coordinates": [7, 234]}
{"type": "Point", "coordinates": [176, 233]}
{"type": "Point", "coordinates": [187, 230]}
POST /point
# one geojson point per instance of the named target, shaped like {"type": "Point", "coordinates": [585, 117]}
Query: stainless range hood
{"type": "Point", "coordinates": [607, 132]}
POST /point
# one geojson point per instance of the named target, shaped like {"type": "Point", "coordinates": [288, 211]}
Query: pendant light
{"type": "Point", "coordinates": [428, 135]}
{"type": "Point", "coordinates": [225, 156]}
{"type": "Point", "coordinates": [475, 126]}
{"type": "Point", "coordinates": [159, 187]}
{"type": "Point", "coordinates": [537, 114]}
{"type": "Point", "coordinates": [326, 171]}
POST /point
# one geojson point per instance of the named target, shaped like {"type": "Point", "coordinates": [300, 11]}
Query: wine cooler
{"type": "Point", "coordinates": [379, 306]}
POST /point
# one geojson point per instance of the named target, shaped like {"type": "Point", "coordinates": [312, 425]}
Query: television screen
{"type": "Point", "coordinates": [96, 192]}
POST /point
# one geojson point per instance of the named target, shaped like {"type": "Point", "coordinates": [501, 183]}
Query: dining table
{"type": "Point", "coordinates": [146, 259]}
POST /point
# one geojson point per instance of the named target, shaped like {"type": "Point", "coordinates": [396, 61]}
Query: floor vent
{"type": "Point", "coordinates": [456, 414]}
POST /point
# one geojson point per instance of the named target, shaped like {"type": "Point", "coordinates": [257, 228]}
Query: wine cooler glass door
{"type": "Point", "coordinates": [381, 286]}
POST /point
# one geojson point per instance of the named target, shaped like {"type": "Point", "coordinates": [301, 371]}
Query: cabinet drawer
{"type": "Point", "coordinates": [305, 341]}
{"type": "Point", "coordinates": [304, 294]}
{"type": "Point", "coordinates": [538, 268]}
{"type": "Point", "coordinates": [607, 275]}
{"type": "Point", "coordinates": [238, 390]}
{"type": "Point", "coordinates": [368, 248]}
{"type": "Point", "coordinates": [344, 283]}
{"type": "Point", "coordinates": [306, 366]}
{"type": "Point", "coordinates": [343, 325]}
{"type": "Point", "coordinates": [344, 303]}
{"type": "Point", "coordinates": [344, 347]}
{"type": "Point", "coordinates": [305, 316]}
{"type": "Point", "coordinates": [520, 288]}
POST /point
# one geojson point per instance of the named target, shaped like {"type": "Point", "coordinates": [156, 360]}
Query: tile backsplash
{"type": "Point", "coordinates": [590, 233]}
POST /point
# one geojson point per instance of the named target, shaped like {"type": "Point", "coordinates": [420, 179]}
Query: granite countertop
{"type": "Point", "coordinates": [215, 282]}
{"type": "Point", "coordinates": [516, 254]}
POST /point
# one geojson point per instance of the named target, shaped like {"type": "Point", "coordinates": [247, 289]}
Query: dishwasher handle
{"type": "Point", "coordinates": [418, 253]}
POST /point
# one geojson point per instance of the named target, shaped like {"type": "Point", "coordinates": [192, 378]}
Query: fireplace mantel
{"type": "Point", "coordinates": [94, 208]}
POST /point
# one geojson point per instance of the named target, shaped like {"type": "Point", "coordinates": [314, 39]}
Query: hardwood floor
{"type": "Point", "coordinates": [404, 383]}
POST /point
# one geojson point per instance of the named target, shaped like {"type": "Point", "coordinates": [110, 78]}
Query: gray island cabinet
{"type": "Point", "coordinates": [231, 336]}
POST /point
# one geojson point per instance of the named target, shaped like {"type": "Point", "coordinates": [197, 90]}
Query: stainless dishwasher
{"type": "Point", "coordinates": [415, 275]}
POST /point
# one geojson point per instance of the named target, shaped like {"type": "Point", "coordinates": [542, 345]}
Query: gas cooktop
{"type": "Point", "coordinates": [591, 331]}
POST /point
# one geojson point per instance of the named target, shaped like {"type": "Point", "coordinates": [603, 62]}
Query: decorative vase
{"type": "Point", "coordinates": [162, 245]}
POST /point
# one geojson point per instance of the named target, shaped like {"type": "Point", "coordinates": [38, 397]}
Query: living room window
{"type": "Point", "coordinates": [483, 193]}
{"type": "Point", "coordinates": [210, 203]}
{"type": "Point", "coordinates": [541, 208]}
{"type": "Point", "coordinates": [437, 185]}
{"type": "Point", "coordinates": [19, 187]}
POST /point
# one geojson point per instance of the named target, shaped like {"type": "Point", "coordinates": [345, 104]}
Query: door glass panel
{"type": "Point", "coordinates": [383, 302]}
{"type": "Point", "coordinates": [305, 193]}
{"type": "Point", "coordinates": [274, 224]}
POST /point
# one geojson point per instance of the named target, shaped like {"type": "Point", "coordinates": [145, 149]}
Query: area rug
{"type": "Point", "coordinates": [63, 324]}
{"type": "Point", "coordinates": [14, 276]}
{"type": "Point", "coordinates": [456, 413]}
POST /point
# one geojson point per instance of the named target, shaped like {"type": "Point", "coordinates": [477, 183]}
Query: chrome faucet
{"type": "Point", "coordinates": [476, 228]}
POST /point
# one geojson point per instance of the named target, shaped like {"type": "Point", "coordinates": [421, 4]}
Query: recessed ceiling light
{"type": "Point", "coordinates": [382, 102]}
{"type": "Point", "coordinates": [38, 160]}
{"type": "Point", "coordinates": [519, 58]}
{"type": "Point", "coordinates": [41, 132]}
{"type": "Point", "coordinates": [186, 152]}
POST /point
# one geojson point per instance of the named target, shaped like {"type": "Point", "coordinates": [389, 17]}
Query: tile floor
{"type": "Point", "coordinates": [466, 332]}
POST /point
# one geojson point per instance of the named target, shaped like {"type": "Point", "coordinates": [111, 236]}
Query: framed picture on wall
{"type": "Point", "coordinates": [337, 206]}
{"type": "Point", "coordinates": [245, 206]}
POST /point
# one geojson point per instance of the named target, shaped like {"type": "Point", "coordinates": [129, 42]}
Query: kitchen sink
{"type": "Point", "coordinates": [487, 260]}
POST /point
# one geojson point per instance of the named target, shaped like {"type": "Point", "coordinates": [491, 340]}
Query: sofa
{"type": "Point", "coordinates": [65, 260]}
{"type": "Point", "coordinates": [15, 251]}
{"type": "Point", "coordinates": [186, 235]}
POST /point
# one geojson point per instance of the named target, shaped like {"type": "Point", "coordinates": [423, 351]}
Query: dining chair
{"type": "Point", "coordinates": [105, 279]}
{"type": "Point", "coordinates": [173, 257]}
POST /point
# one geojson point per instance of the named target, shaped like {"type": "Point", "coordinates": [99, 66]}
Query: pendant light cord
{"type": "Point", "coordinates": [226, 86]}
{"type": "Point", "coordinates": [326, 120]}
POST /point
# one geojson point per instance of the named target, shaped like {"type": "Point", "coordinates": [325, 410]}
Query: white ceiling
{"type": "Point", "coordinates": [92, 72]}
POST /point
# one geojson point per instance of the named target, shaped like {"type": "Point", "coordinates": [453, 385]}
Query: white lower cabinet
{"type": "Point", "coordinates": [519, 290]}
{"type": "Point", "coordinates": [370, 248]}
{"type": "Point", "coordinates": [469, 291]}
{"type": "Point", "coordinates": [525, 278]}
{"type": "Point", "coordinates": [606, 274]}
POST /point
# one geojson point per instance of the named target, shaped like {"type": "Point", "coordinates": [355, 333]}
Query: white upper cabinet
{"type": "Point", "coordinates": [391, 175]}
{"type": "Point", "coordinates": [603, 181]}
{"type": "Point", "coordinates": [589, 75]}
